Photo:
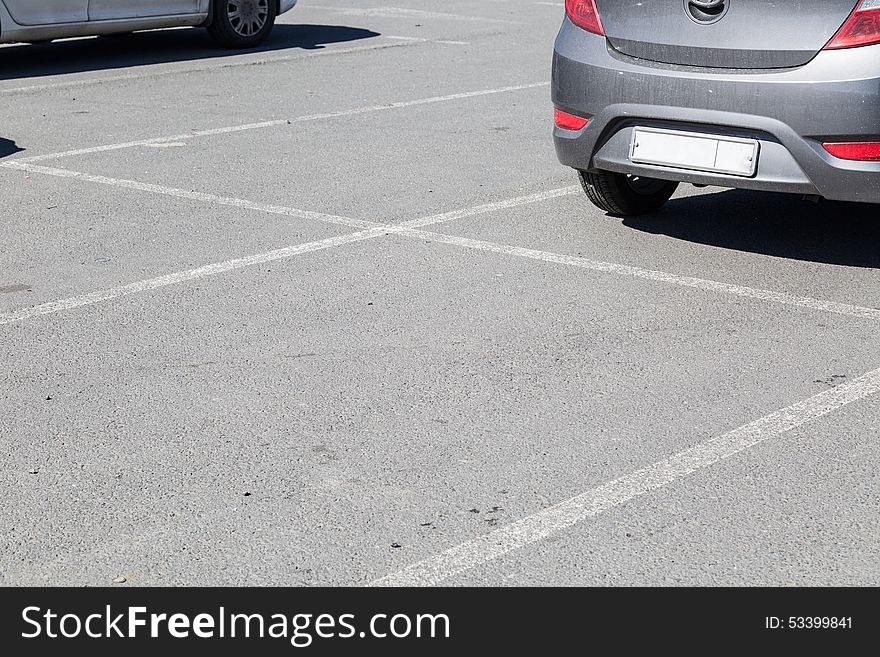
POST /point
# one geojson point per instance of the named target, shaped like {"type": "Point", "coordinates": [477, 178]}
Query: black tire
{"type": "Point", "coordinates": [624, 195]}
{"type": "Point", "coordinates": [242, 23]}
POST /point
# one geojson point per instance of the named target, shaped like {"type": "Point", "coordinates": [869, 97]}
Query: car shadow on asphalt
{"type": "Point", "coordinates": [157, 47]}
{"type": "Point", "coordinates": [779, 225]}
{"type": "Point", "coordinates": [8, 147]}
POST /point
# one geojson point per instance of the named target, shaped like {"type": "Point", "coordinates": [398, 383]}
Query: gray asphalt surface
{"type": "Point", "coordinates": [336, 415]}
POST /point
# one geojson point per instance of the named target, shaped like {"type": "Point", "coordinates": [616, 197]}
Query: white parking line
{"type": "Point", "coordinates": [423, 101]}
{"type": "Point", "coordinates": [531, 529]}
{"type": "Point", "coordinates": [399, 12]}
{"type": "Point", "coordinates": [375, 230]}
{"type": "Point", "coordinates": [183, 276]}
{"type": "Point", "coordinates": [653, 275]}
{"type": "Point", "coordinates": [421, 39]}
{"type": "Point", "coordinates": [191, 195]}
{"type": "Point", "coordinates": [411, 229]}
{"type": "Point", "coordinates": [238, 62]}
{"type": "Point", "coordinates": [147, 142]}
{"type": "Point", "coordinates": [270, 124]}
{"type": "Point", "coordinates": [66, 84]}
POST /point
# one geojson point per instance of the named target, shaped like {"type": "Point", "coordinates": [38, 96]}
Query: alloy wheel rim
{"type": "Point", "coordinates": [247, 17]}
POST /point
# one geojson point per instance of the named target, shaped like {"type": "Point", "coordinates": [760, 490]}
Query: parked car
{"type": "Point", "coordinates": [776, 96]}
{"type": "Point", "coordinates": [233, 23]}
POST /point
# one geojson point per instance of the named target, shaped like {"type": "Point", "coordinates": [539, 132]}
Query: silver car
{"type": "Point", "coordinates": [233, 23]}
{"type": "Point", "coordinates": [776, 96]}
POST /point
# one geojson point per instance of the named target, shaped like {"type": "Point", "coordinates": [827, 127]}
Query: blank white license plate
{"type": "Point", "coordinates": [692, 150]}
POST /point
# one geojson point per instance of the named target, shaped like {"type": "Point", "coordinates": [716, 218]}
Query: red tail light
{"type": "Point", "coordinates": [862, 28]}
{"type": "Point", "coordinates": [585, 15]}
{"type": "Point", "coordinates": [567, 121]}
{"type": "Point", "coordinates": [861, 151]}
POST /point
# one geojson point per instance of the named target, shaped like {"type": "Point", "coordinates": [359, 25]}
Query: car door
{"type": "Point", "coordinates": [101, 10]}
{"type": "Point", "coordinates": [47, 12]}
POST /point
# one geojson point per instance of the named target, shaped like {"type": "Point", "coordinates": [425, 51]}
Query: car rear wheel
{"type": "Point", "coordinates": [242, 23]}
{"type": "Point", "coordinates": [626, 195]}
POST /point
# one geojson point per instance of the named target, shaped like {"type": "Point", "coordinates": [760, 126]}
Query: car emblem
{"type": "Point", "coordinates": [706, 12]}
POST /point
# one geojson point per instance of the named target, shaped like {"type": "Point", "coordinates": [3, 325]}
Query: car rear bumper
{"type": "Point", "coordinates": [836, 97]}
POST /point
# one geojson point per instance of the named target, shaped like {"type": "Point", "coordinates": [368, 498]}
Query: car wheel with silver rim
{"type": "Point", "coordinates": [242, 23]}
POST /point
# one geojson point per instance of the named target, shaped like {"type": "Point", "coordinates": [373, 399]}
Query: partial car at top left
{"type": "Point", "coordinates": [233, 23]}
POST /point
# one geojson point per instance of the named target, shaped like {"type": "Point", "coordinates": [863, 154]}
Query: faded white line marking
{"type": "Point", "coordinates": [658, 276]}
{"type": "Point", "coordinates": [398, 12]}
{"type": "Point", "coordinates": [447, 42]}
{"type": "Point", "coordinates": [167, 144]}
{"type": "Point", "coordinates": [278, 122]}
{"type": "Point", "coordinates": [531, 529]}
{"type": "Point", "coordinates": [485, 208]}
{"type": "Point", "coordinates": [424, 101]}
{"type": "Point", "coordinates": [410, 226]}
{"type": "Point", "coordinates": [374, 230]}
{"type": "Point", "coordinates": [410, 229]}
{"type": "Point", "coordinates": [183, 276]}
{"type": "Point", "coordinates": [82, 82]}
{"type": "Point", "coordinates": [148, 142]}
{"type": "Point", "coordinates": [190, 195]}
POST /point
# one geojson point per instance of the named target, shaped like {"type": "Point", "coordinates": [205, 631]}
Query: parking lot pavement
{"type": "Point", "coordinates": [331, 313]}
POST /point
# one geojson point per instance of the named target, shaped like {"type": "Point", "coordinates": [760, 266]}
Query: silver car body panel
{"type": "Point", "coordinates": [27, 20]}
{"type": "Point", "coordinates": [100, 10]}
{"type": "Point", "coordinates": [791, 112]}
{"type": "Point", "coordinates": [746, 33]}
{"type": "Point", "coordinates": [51, 12]}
